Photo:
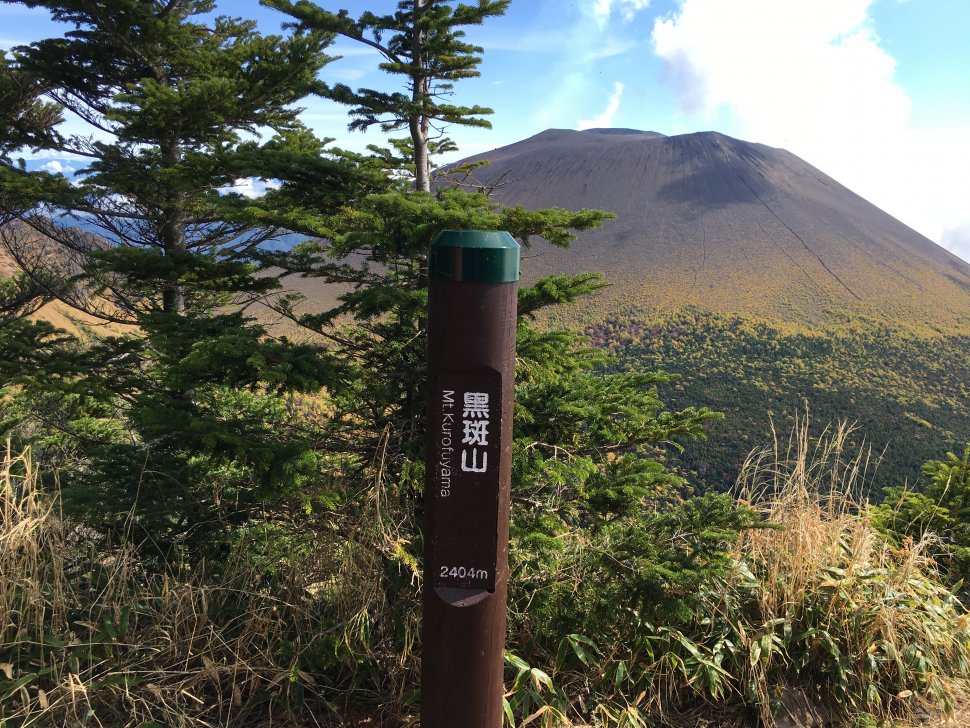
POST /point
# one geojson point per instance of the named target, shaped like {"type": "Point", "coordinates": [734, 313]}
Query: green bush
{"type": "Point", "coordinates": [814, 604]}
{"type": "Point", "coordinates": [941, 507]}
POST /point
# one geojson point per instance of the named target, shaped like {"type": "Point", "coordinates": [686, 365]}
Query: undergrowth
{"type": "Point", "coordinates": [812, 607]}
{"type": "Point", "coordinates": [816, 612]}
{"type": "Point", "coordinates": [95, 638]}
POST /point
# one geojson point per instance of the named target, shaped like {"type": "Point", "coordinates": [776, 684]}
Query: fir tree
{"type": "Point", "coordinates": [589, 445]}
{"type": "Point", "coordinates": [378, 244]}
{"type": "Point", "coordinates": [180, 401]}
{"type": "Point", "coordinates": [174, 108]}
{"type": "Point", "coordinates": [421, 42]}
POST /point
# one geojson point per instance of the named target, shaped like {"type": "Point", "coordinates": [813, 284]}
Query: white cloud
{"type": "Point", "coordinates": [349, 49]}
{"type": "Point", "coordinates": [57, 167]}
{"type": "Point", "coordinates": [812, 77]}
{"type": "Point", "coordinates": [809, 71]}
{"type": "Point", "coordinates": [925, 183]}
{"type": "Point", "coordinates": [627, 8]}
{"type": "Point", "coordinates": [610, 48]}
{"type": "Point", "coordinates": [345, 74]}
{"type": "Point", "coordinates": [957, 240]}
{"type": "Point", "coordinates": [251, 187]}
{"type": "Point", "coordinates": [335, 116]}
{"type": "Point", "coordinates": [19, 10]}
{"type": "Point", "coordinates": [49, 154]}
{"type": "Point", "coordinates": [519, 42]}
{"type": "Point", "coordinates": [605, 119]}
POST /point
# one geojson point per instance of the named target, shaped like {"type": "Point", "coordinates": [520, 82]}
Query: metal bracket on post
{"type": "Point", "coordinates": [473, 289]}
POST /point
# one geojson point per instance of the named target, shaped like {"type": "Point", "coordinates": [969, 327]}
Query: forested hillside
{"type": "Point", "coordinates": [905, 395]}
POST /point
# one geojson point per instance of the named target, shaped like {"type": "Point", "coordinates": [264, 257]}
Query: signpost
{"type": "Point", "coordinates": [471, 355]}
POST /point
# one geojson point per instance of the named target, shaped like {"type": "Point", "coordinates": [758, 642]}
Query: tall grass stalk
{"type": "Point", "coordinates": [866, 629]}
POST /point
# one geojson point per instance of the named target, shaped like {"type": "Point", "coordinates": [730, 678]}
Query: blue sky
{"type": "Point", "coordinates": [874, 92]}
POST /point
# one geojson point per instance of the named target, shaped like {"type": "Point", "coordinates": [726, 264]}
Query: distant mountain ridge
{"type": "Point", "coordinates": [711, 221]}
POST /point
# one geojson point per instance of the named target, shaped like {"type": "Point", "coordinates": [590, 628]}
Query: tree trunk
{"type": "Point", "coordinates": [422, 160]}
{"type": "Point", "coordinates": [419, 122]}
{"type": "Point", "coordinates": [172, 234]}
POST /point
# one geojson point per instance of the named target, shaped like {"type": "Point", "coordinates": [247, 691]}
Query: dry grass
{"type": "Point", "coordinates": [810, 490]}
{"type": "Point", "coordinates": [876, 623]}
{"type": "Point", "coordinates": [94, 640]}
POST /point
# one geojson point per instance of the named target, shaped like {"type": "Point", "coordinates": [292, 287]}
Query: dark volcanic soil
{"type": "Point", "coordinates": [708, 220]}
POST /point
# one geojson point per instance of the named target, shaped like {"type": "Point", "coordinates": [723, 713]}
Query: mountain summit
{"type": "Point", "coordinates": [707, 220]}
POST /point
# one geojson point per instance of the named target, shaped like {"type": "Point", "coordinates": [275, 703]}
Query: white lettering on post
{"type": "Point", "coordinates": [445, 449]}
{"type": "Point", "coordinates": [475, 421]}
{"type": "Point", "coordinates": [474, 467]}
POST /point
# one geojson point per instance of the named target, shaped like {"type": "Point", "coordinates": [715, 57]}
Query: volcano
{"type": "Point", "coordinates": [722, 224]}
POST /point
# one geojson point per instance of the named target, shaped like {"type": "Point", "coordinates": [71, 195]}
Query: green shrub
{"type": "Point", "coordinates": [815, 603]}
{"type": "Point", "coordinates": [941, 507]}
{"type": "Point", "coordinates": [681, 614]}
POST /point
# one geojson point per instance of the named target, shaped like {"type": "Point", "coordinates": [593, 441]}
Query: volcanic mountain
{"type": "Point", "coordinates": [710, 221]}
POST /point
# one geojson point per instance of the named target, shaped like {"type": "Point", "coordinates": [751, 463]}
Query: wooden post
{"type": "Point", "coordinates": [471, 355]}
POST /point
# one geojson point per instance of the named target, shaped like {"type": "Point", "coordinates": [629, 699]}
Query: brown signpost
{"type": "Point", "coordinates": [471, 355]}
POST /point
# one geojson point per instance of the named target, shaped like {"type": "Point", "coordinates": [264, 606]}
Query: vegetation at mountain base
{"type": "Point", "coordinates": [906, 392]}
{"type": "Point", "coordinates": [207, 522]}
{"type": "Point", "coordinates": [814, 612]}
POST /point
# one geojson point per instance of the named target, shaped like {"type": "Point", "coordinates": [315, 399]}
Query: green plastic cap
{"type": "Point", "coordinates": [474, 256]}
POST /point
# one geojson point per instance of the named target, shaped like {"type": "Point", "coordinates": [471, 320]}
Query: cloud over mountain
{"type": "Point", "coordinates": [625, 8]}
{"type": "Point", "coordinates": [812, 76]}
{"type": "Point", "coordinates": [606, 118]}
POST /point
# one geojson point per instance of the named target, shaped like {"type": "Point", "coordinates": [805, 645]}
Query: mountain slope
{"type": "Point", "coordinates": [711, 221]}
{"type": "Point", "coordinates": [767, 286]}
